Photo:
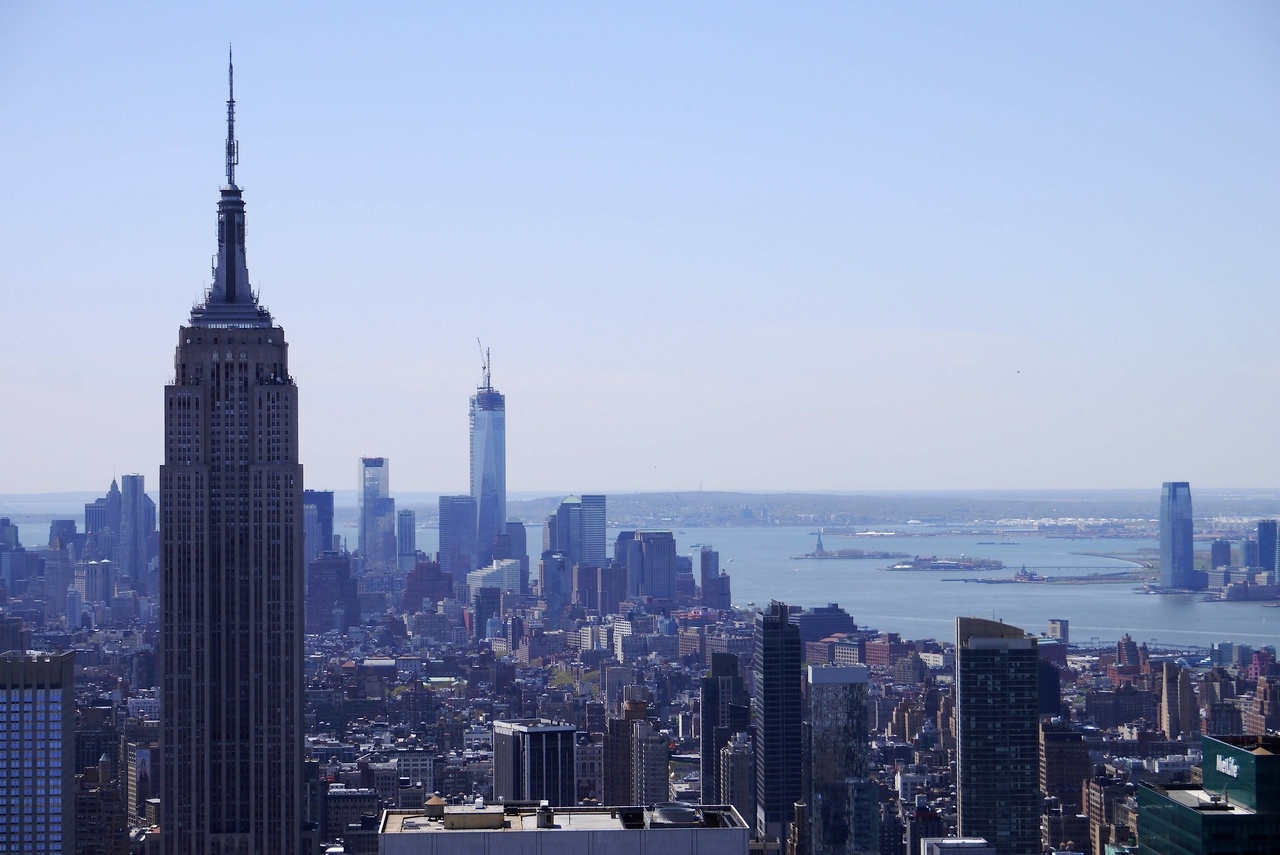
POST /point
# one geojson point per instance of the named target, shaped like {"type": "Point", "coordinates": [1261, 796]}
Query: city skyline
{"type": "Point", "coordinates": [908, 251]}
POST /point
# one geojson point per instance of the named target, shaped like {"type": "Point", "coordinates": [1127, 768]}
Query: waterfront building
{"type": "Point", "coordinates": [37, 752]}
{"type": "Point", "coordinates": [997, 751]}
{"type": "Point", "coordinates": [232, 568]}
{"type": "Point", "coordinates": [1219, 554]}
{"type": "Point", "coordinates": [1267, 542]}
{"type": "Point", "coordinates": [844, 804]}
{"type": "Point", "coordinates": [457, 535]}
{"type": "Point", "coordinates": [406, 540]}
{"type": "Point", "coordinates": [1249, 553]}
{"type": "Point", "coordinates": [1060, 629]}
{"type": "Point", "coordinates": [533, 761]}
{"type": "Point", "coordinates": [1234, 810]}
{"type": "Point", "coordinates": [669, 828]}
{"type": "Point", "coordinates": [1177, 550]}
{"type": "Point", "coordinates": [488, 464]}
{"type": "Point", "coordinates": [777, 719]}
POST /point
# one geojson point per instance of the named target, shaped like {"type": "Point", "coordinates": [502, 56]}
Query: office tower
{"type": "Point", "coordinates": [776, 717]}
{"type": "Point", "coordinates": [1219, 554]}
{"type": "Point", "coordinates": [533, 759]}
{"type": "Point", "coordinates": [650, 559]}
{"type": "Point", "coordinates": [1249, 553]}
{"type": "Point", "coordinates": [517, 548]}
{"type": "Point", "coordinates": [844, 804]}
{"type": "Point", "coordinates": [488, 464]}
{"type": "Point", "coordinates": [37, 742]}
{"type": "Point", "coordinates": [823, 622]}
{"type": "Point", "coordinates": [232, 579]}
{"type": "Point", "coordinates": [724, 709]}
{"type": "Point", "coordinates": [1234, 809]}
{"type": "Point", "coordinates": [406, 540]}
{"type": "Point", "coordinates": [486, 603]}
{"type": "Point", "coordinates": [332, 599]}
{"type": "Point", "coordinates": [1177, 554]}
{"type": "Point", "coordinates": [137, 518]}
{"type": "Point", "coordinates": [457, 535]}
{"type": "Point", "coordinates": [1267, 530]}
{"type": "Point", "coordinates": [737, 785]}
{"type": "Point", "coordinates": [317, 513]}
{"type": "Point", "coordinates": [374, 484]}
{"type": "Point", "coordinates": [611, 588]}
{"type": "Point", "coordinates": [102, 524]}
{"type": "Point", "coordinates": [997, 750]}
{"type": "Point", "coordinates": [577, 530]}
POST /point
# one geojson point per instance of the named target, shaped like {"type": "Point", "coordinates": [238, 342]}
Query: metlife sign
{"type": "Point", "coordinates": [1227, 766]}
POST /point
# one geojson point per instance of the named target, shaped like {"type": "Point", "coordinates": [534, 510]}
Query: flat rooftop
{"type": "Point", "coordinates": [490, 818]}
{"type": "Point", "coordinates": [1199, 799]}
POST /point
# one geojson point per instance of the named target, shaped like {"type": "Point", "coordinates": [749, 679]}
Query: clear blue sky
{"type": "Point", "coordinates": [742, 246]}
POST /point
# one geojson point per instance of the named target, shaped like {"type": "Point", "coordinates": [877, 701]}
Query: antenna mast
{"type": "Point", "coordinates": [233, 147]}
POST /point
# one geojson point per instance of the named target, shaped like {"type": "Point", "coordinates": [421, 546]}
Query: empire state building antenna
{"type": "Point", "coordinates": [233, 147]}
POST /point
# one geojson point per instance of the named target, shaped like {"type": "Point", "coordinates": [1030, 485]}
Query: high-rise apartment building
{"type": "Point", "coordinates": [997, 736]}
{"type": "Point", "coordinates": [231, 558]}
{"type": "Point", "coordinates": [533, 760]}
{"type": "Point", "coordinates": [37, 752]}
{"type": "Point", "coordinates": [1177, 555]}
{"type": "Point", "coordinates": [776, 718]}
{"type": "Point", "coordinates": [488, 464]}
{"type": "Point", "coordinates": [844, 804]}
{"type": "Point", "coordinates": [1267, 544]}
{"type": "Point", "coordinates": [457, 535]}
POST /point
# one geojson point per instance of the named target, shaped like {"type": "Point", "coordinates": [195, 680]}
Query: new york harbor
{"type": "Point", "coordinates": [581, 429]}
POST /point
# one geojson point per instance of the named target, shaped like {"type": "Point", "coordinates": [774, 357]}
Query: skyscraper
{"type": "Point", "coordinates": [1177, 554]}
{"type": "Point", "coordinates": [488, 464]}
{"type": "Point", "coordinates": [1267, 544]}
{"type": "Point", "coordinates": [776, 717]}
{"type": "Point", "coordinates": [997, 736]}
{"type": "Point", "coordinates": [576, 530]}
{"type": "Point", "coordinates": [650, 559]}
{"type": "Point", "coordinates": [406, 540]}
{"type": "Point", "coordinates": [231, 556]}
{"type": "Point", "coordinates": [317, 508]}
{"type": "Point", "coordinates": [533, 759]}
{"type": "Point", "coordinates": [137, 519]}
{"type": "Point", "coordinates": [724, 710]}
{"type": "Point", "coordinates": [844, 804]}
{"type": "Point", "coordinates": [37, 740]}
{"type": "Point", "coordinates": [457, 535]}
{"type": "Point", "coordinates": [377, 530]}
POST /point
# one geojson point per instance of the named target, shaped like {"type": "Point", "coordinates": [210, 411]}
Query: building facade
{"type": "Point", "coordinates": [534, 760]}
{"type": "Point", "coordinates": [1177, 553]}
{"type": "Point", "coordinates": [488, 464]}
{"type": "Point", "coordinates": [997, 736]}
{"type": "Point", "coordinates": [231, 557]}
{"type": "Point", "coordinates": [844, 804]}
{"type": "Point", "coordinates": [37, 752]}
{"type": "Point", "coordinates": [776, 718]}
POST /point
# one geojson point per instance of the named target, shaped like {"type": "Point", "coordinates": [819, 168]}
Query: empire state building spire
{"type": "Point", "coordinates": [230, 300]}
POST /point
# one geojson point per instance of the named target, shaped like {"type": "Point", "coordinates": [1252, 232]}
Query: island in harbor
{"type": "Point", "coordinates": [821, 554]}
{"type": "Point", "coordinates": [934, 563]}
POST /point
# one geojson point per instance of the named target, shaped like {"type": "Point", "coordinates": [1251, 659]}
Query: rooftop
{"type": "Point", "coordinates": [526, 817]}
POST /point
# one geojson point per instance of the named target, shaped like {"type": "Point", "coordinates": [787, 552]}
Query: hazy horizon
{"type": "Point", "coordinates": [909, 247]}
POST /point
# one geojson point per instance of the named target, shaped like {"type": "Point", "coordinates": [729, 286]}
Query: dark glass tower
{"type": "Point", "coordinates": [1177, 558]}
{"type": "Point", "coordinates": [776, 716]}
{"type": "Point", "coordinates": [231, 559]}
{"type": "Point", "coordinates": [488, 465]}
{"type": "Point", "coordinates": [997, 736]}
{"type": "Point", "coordinates": [725, 710]}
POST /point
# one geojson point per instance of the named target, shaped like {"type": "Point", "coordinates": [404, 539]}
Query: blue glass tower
{"type": "Point", "coordinates": [488, 465]}
{"type": "Point", "coordinates": [1177, 565]}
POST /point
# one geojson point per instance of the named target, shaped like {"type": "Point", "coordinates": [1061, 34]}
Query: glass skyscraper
{"type": "Point", "coordinates": [776, 716]}
{"type": "Point", "coordinates": [488, 465]}
{"type": "Point", "coordinates": [231, 554]}
{"type": "Point", "coordinates": [1177, 556]}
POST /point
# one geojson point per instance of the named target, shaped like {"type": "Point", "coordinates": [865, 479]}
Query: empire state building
{"type": "Point", "coordinates": [231, 565]}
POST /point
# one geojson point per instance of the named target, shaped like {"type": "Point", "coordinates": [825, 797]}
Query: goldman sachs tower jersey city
{"type": "Point", "coordinates": [231, 564]}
